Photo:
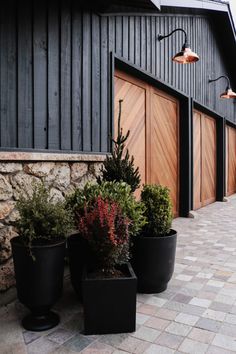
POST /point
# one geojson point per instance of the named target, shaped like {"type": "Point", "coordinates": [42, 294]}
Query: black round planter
{"type": "Point", "coordinates": [78, 253]}
{"type": "Point", "coordinates": [153, 260]}
{"type": "Point", "coordinates": [39, 282]}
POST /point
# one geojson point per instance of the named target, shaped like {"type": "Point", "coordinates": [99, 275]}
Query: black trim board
{"type": "Point", "coordinates": [230, 123]}
{"type": "Point", "coordinates": [121, 63]}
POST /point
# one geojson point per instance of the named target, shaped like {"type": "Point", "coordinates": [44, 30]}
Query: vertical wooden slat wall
{"type": "Point", "coordinates": [55, 76]}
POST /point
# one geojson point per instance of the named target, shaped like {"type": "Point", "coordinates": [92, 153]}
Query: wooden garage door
{"type": "Point", "coordinates": [164, 144]}
{"type": "Point", "coordinates": [230, 160]}
{"type": "Point", "coordinates": [152, 118]}
{"type": "Point", "coordinates": [204, 159]}
{"type": "Point", "coordinates": [133, 117]}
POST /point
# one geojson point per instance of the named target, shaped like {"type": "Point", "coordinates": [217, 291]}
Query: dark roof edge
{"type": "Point", "coordinates": [204, 5]}
{"type": "Point", "coordinates": [197, 4]}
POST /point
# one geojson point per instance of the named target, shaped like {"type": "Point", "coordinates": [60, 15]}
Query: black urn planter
{"type": "Point", "coordinates": [153, 260]}
{"type": "Point", "coordinates": [110, 303]}
{"type": "Point", "coordinates": [78, 254]}
{"type": "Point", "coordinates": [39, 281]}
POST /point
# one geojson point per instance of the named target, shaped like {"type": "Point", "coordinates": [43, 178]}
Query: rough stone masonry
{"type": "Point", "coordinates": [17, 178]}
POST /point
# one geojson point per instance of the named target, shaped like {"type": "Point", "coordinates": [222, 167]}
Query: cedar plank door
{"type": "Point", "coordinates": [152, 118]}
{"type": "Point", "coordinates": [133, 118]}
{"type": "Point", "coordinates": [230, 160]}
{"type": "Point", "coordinates": [204, 160]}
{"type": "Point", "coordinates": [165, 144]}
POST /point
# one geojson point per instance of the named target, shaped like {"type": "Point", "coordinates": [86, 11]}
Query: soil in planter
{"type": "Point", "coordinates": [101, 274]}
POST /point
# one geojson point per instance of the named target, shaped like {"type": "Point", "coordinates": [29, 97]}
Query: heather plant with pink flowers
{"type": "Point", "coordinates": [106, 229]}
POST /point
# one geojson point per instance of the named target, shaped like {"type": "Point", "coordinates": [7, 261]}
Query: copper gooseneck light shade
{"type": "Point", "coordinates": [186, 55]}
{"type": "Point", "coordinates": [228, 93]}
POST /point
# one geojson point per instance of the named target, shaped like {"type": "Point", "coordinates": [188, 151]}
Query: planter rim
{"type": "Point", "coordinates": [19, 244]}
{"type": "Point", "coordinates": [130, 269]}
{"type": "Point", "coordinates": [171, 234]}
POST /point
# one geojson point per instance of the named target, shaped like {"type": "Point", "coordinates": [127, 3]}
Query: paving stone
{"type": "Point", "coordinates": [40, 345]}
{"type": "Point", "coordinates": [157, 323]}
{"type": "Point", "coordinates": [169, 340]}
{"type": "Point", "coordinates": [210, 325]}
{"type": "Point", "coordinates": [187, 319]}
{"type": "Point", "coordinates": [147, 309]}
{"type": "Point", "coordinates": [184, 277]}
{"type": "Point", "coordinates": [201, 335]}
{"type": "Point", "coordinates": [219, 306]}
{"type": "Point", "coordinates": [217, 350]}
{"type": "Point", "coordinates": [97, 348]}
{"type": "Point", "coordinates": [200, 302]}
{"type": "Point", "coordinates": [203, 275]}
{"type": "Point", "coordinates": [225, 342]}
{"type": "Point", "coordinates": [113, 339]}
{"type": "Point", "coordinates": [30, 336]}
{"type": "Point", "coordinates": [230, 319]}
{"type": "Point", "coordinates": [182, 298]}
{"type": "Point", "coordinates": [63, 350]}
{"type": "Point", "coordinates": [156, 301]}
{"type": "Point", "coordinates": [193, 347]}
{"type": "Point", "coordinates": [228, 329]}
{"type": "Point", "coordinates": [146, 333]}
{"type": "Point", "coordinates": [215, 283]}
{"type": "Point", "coordinates": [179, 329]}
{"type": "Point", "coordinates": [214, 315]}
{"type": "Point", "coordinates": [225, 299]}
{"type": "Point", "coordinates": [158, 349]}
{"type": "Point", "coordinates": [78, 342]}
{"type": "Point", "coordinates": [134, 345]}
{"type": "Point", "coordinates": [60, 336]}
{"type": "Point", "coordinates": [141, 318]}
{"type": "Point", "coordinates": [166, 314]}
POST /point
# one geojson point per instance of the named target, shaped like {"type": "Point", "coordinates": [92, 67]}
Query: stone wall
{"type": "Point", "coordinates": [17, 177]}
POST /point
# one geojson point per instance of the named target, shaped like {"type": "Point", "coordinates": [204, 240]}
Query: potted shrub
{"type": "Point", "coordinates": [120, 192]}
{"type": "Point", "coordinates": [38, 254]}
{"type": "Point", "coordinates": [109, 283]}
{"type": "Point", "coordinates": [154, 249]}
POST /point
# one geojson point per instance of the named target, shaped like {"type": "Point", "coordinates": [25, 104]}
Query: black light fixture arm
{"type": "Point", "coordinates": [220, 77]}
{"type": "Point", "coordinates": [186, 44]}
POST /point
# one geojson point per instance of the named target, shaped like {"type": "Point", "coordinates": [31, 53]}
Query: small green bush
{"type": "Point", "coordinates": [156, 199]}
{"type": "Point", "coordinates": [42, 221]}
{"type": "Point", "coordinates": [120, 165]}
{"type": "Point", "coordinates": [119, 192]}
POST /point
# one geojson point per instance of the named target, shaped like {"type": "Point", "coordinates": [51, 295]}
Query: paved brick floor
{"type": "Point", "coordinates": [197, 313]}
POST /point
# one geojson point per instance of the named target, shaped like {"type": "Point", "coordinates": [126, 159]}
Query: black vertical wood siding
{"type": "Point", "coordinates": [55, 70]}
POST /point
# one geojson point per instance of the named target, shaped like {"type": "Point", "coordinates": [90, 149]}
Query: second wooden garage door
{"type": "Point", "coordinates": [204, 159]}
{"type": "Point", "coordinates": [230, 160]}
{"type": "Point", "coordinates": [153, 120]}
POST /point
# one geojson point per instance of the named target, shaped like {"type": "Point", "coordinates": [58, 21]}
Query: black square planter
{"type": "Point", "coordinates": [110, 303]}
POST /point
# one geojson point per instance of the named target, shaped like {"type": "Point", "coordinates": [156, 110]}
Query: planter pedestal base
{"type": "Point", "coordinates": [40, 323]}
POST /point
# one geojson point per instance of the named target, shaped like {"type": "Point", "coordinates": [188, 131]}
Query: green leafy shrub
{"type": "Point", "coordinates": [119, 192]}
{"type": "Point", "coordinates": [120, 166]}
{"type": "Point", "coordinates": [42, 221]}
{"type": "Point", "coordinates": [106, 229]}
{"type": "Point", "coordinates": [156, 199]}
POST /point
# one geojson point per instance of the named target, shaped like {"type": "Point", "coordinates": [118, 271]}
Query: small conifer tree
{"type": "Point", "coordinates": [120, 166]}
